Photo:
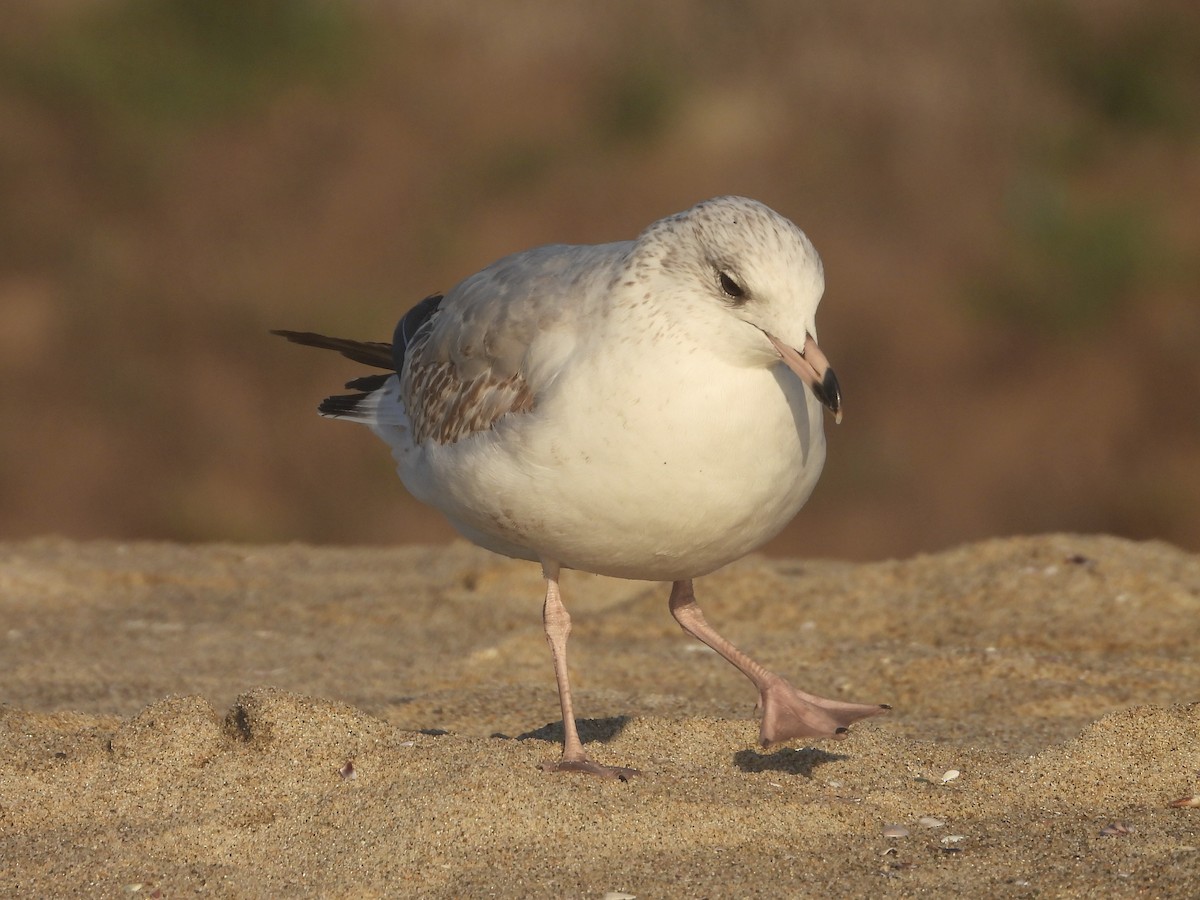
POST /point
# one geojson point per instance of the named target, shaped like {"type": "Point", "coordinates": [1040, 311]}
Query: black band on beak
{"type": "Point", "coordinates": [829, 392]}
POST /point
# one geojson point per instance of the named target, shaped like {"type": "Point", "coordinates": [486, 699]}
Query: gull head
{"type": "Point", "coordinates": [744, 262]}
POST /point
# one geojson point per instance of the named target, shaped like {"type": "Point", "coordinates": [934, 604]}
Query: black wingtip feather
{"type": "Point", "coordinates": [344, 406]}
{"type": "Point", "coordinates": [368, 382]}
{"type": "Point", "coordinates": [369, 353]}
{"type": "Point", "coordinates": [408, 326]}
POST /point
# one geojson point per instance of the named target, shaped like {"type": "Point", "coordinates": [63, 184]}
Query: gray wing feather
{"type": "Point", "coordinates": [469, 364]}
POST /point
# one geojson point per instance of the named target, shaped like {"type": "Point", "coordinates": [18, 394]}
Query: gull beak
{"type": "Point", "coordinates": [813, 369]}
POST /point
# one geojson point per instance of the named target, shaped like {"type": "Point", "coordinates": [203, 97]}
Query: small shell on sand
{"type": "Point", "coordinates": [895, 830]}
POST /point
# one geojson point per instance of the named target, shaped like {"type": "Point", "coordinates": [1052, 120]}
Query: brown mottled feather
{"type": "Point", "coordinates": [444, 408]}
{"type": "Point", "coordinates": [463, 366]}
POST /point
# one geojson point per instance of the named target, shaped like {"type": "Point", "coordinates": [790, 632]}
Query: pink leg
{"type": "Point", "coordinates": [786, 712]}
{"type": "Point", "coordinates": [558, 626]}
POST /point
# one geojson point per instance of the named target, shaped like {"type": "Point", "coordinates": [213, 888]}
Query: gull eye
{"type": "Point", "coordinates": [732, 289]}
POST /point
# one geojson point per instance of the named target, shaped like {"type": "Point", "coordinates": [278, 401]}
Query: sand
{"type": "Point", "coordinates": [245, 721]}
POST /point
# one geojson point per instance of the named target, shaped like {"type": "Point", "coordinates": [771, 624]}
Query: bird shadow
{"type": "Point", "coordinates": [794, 762]}
{"type": "Point", "coordinates": [590, 730]}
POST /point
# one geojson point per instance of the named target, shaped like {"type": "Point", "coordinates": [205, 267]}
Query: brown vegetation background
{"type": "Point", "coordinates": [1006, 196]}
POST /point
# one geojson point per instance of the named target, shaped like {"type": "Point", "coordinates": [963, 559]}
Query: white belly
{"type": "Point", "coordinates": [656, 476]}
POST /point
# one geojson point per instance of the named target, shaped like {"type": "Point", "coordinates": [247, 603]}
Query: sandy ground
{"type": "Point", "coordinates": [293, 721]}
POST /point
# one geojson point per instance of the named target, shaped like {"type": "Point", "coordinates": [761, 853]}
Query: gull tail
{"type": "Point", "coordinates": [358, 406]}
{"type": "Point", "coordinates": [363, 406]}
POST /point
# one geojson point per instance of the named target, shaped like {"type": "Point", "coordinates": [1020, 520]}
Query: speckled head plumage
{"type": "Point", "coordinates": [759, 251]}
{"type": "Point", "coordinates": [758, 267]}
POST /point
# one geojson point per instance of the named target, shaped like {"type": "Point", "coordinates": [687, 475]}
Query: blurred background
{"type": "Point", "coordinates": [1006, 196]}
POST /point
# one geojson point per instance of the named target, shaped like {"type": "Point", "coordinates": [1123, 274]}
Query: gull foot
{"type": "Point", "coordinates": [788, 714]}
{"type": "Point", "coordinates": [587, 767]}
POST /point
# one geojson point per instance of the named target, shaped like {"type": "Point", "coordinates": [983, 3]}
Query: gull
{"type": "Point", "coordinates": [648, 409]}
